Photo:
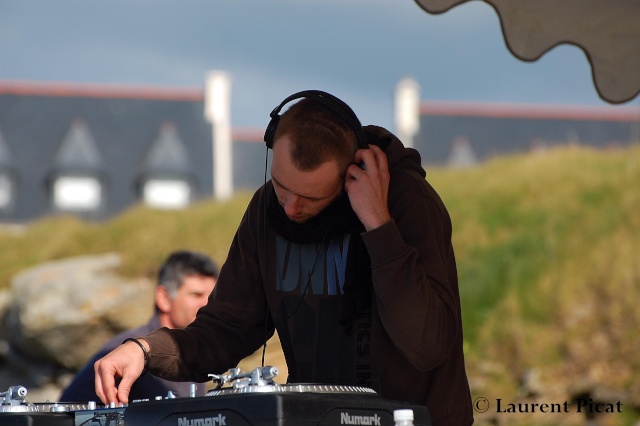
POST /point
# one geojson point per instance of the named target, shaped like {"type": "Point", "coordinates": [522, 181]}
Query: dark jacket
{"type": "Point", "coordinates": [411, 336]}
{"type": "Point", "coordinates": [82, 387]}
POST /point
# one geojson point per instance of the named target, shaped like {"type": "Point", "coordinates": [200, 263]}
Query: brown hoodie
{"type": "Point", "coordinates": [407, 345]}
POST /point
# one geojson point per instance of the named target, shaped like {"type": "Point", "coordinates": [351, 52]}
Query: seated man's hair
{"type": "Point", "coordinates": [181, 264]}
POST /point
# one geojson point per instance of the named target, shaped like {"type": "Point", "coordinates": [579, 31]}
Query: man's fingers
{"type": "Point", "coordinates": [105, 384]}
{"type": "Point", "coordinates": [124, 388]}
{"type": "Point", "coordinates": [127, 362]}
{"type": "Point", "coordinates": [381, 158]}
{"type": "Point", "coordinates": [373, 158]}
{"type": "Point", "coordinates": [98, 386]}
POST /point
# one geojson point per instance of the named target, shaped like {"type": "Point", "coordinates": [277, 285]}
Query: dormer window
{"type": "Point", "coordinates": [77, 193]}
{"type": "Point", "coordinates": [461, 153]}
{"type": "Point", "coordinates": [6, 190]}
{"type": "Point", "coordinates": [165, 178]}
{"type": "Point", "coordinates": [7, 185]}
{"type": "Point", "coordinates": [166, 193]}
{"type": "Point", "coordinates": [76, 184]}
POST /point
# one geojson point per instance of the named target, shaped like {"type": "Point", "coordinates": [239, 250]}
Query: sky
{"type": "Point", "coordinates": [356, 49]}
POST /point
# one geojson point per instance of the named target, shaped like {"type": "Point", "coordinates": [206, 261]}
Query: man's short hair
{"type": "Point", "coordinates": [317, 134]}
{"type": "Point", "coordinates": [184, 263]}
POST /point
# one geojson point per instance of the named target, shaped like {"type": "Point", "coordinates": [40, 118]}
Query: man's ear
{"type": "Point", "coordinates": [163, 300]}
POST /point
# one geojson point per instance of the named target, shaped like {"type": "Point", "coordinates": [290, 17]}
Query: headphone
{"type": "Point", "coordinates": [338, 106]}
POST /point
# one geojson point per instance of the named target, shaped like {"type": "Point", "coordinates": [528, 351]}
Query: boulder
{"type": "Point", "coordinates": [63, 311]}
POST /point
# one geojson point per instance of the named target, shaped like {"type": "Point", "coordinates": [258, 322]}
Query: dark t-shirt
{"type": "Point", "coordinates": [311, 278]}
{"type": "Point", "coordinates": [82, 387]}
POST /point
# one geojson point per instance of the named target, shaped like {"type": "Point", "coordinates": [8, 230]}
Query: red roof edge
{"type": "Point", "coordinates": [94, 90]}
{"type": "Point", "coordinates": [247, 134]}
{"type": "Point", "coordinates": [531, 111]}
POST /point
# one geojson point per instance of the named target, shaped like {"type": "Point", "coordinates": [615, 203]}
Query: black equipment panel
{"type": "Point", "coordinates": [267, 409]}
{"type": "Point", "coordinates": [37, 419]}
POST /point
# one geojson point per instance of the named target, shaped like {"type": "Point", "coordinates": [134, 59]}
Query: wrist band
{"type": "Point", "coordinates": [144, 350]}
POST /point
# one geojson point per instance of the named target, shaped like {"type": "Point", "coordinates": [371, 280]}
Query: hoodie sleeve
{"type": "Point", "coordinates": [413, 267]}
{"type": "Point", "coordinates": [232, 324]}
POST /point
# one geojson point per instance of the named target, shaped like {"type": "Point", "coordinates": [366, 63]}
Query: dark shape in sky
{"type": "Point", "coordinates": [607, 31]}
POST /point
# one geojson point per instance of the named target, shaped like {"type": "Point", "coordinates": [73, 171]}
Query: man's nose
{"type": "Point", "coordinates": [292, 204]}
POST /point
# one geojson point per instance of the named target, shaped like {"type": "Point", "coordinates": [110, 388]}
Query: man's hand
{"type": "Point", "coordinates": [126, 361]}
{"type": "Point", "coordinates": [368, 189]}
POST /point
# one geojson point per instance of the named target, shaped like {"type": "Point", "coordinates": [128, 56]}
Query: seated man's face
{"type": "Point", "coordinates": [303, 193]}
{"type": "Point", "coordinates": [191, 296]}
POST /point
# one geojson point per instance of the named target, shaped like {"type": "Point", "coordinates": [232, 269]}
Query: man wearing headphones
{"type": "Point", "coordinates": [347, 253]}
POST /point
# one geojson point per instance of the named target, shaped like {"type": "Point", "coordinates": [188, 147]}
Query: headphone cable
{"type": "Point", "coordinates": [266, 267]}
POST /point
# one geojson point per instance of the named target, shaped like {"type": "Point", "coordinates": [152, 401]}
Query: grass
{"type": "Point", "coordinates": [547, 244]}
{"type": "Point", "coordinates": [143, 237]}
{"type": "Point", "coordinates": [519, 218]}
{"type": "Point", "coordinates": [548, 248]}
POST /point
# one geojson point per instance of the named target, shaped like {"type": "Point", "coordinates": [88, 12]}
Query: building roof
{"type": "Point", "coordinates": [454, 130]}
{"type": "Point", "coordinates": [119, 132]}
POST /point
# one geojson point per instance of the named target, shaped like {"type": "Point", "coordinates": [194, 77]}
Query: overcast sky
{"type": "Point", "coordinates": [356, 49]}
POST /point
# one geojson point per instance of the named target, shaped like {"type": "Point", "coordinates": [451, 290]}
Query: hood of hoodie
{"type": "Point", "coordinates": [398, 156]}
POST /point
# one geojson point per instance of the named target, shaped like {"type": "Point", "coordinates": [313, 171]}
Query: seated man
{"type": "Point", "coordinates": [185, 281]}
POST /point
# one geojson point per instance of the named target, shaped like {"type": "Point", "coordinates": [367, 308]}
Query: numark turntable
{"type": "Point", "coordinates": [239, 399]}
{"type": "Point", "coordinates": [15, 410]}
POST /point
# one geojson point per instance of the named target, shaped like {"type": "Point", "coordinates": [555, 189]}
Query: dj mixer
{"type": "Point", "coordinates": [240, 399]}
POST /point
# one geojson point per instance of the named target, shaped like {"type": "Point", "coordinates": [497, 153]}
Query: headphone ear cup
{"type": "Point", "coordinates": [270, 131]}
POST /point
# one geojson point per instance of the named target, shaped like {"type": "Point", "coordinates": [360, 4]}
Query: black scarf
{"type": "Point", "coordinates": [334, 221]}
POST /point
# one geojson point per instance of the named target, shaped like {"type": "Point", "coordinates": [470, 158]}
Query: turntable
{"type": "Point", "coordinates": [239, 399]}
{"type": "Point", "coordinates": [16, 410]}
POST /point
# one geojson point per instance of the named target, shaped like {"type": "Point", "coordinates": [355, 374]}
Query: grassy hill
{"type": "Point", "coordinates": [142, 236]}
{"type": "Point", "coordinates": [548, 250]}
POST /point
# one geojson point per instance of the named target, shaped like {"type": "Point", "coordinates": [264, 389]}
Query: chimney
{"type": "Point", "coordinates": [407, 110]}
{"type": "Point", "coordinates": [217, 111]}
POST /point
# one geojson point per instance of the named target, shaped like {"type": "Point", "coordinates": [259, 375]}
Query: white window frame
{"type": "Point", "coordinates": [166, 193]}
{"type": "Point", "coordinates": [77, 193]}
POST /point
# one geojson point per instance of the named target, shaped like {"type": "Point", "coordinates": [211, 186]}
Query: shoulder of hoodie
{"type": "Point", "coordinates": [408, 177]}
{"type": "Point", "coordinates": [403, 162]}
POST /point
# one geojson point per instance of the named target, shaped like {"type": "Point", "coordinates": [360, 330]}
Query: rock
{"type": "Point", "coordinates": [63, 311]}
